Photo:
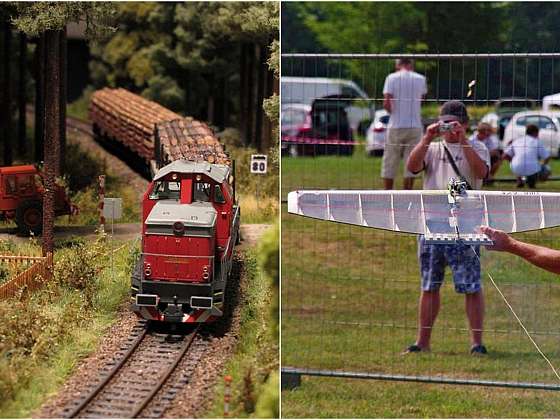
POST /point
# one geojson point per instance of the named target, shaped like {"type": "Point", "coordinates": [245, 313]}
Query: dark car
{"type": "Point", "coordinates": [329, 132]}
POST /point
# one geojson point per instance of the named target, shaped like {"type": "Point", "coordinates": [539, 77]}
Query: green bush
{"type": "Point", "coordinates": [246, 182]}
{"type": "Point", "coordinates": [35, 327]}
{"type": "Point", "coordinates": [81, 169]}
{"type": "Point", "coordinates": [77, 268]}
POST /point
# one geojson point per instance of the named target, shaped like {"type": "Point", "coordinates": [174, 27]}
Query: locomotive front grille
{"type": "Point", "coordinates": [167, 230]}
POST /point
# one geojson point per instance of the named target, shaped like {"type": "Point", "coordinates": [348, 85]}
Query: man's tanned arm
{"type": "Point", "coordinates": [545, 258]}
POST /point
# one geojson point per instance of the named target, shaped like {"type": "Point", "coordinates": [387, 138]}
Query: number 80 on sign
{"type": "Point", "coordinates": [258, 164]}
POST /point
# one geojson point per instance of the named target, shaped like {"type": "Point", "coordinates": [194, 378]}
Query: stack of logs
{"type": "Point", "coordinates": [135, 122]}
{"type": "Point", "coordinates": [188, 139]}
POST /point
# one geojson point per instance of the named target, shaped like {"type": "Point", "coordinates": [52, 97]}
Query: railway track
{"type": "Point", "coordinates": [79, 125]}
{"type": "Point", "coordinates": [144, 376]}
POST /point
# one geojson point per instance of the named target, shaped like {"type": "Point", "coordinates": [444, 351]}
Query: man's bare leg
{"type": "Point", "coordinates": [408, 183]}
{"type": "Point", "coordinates": [388, 183]}
{"type": "Point", "coordinates": [474, 305]}
{"type": "Point", "coordinates": [427, 313]}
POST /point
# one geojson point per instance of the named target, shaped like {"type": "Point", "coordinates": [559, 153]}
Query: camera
{"type": "Point", "coordinates": [444, 127]}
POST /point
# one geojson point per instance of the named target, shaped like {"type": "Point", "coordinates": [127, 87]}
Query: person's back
{"type": "Point", "coordinates": [526, 153]}
{"type": "Point", "coordinates": [402, 96]}
{"type": "Point", "coordinates": [407, 89]}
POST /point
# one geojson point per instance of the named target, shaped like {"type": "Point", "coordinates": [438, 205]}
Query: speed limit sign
{"type": "Point", "coordinates": [258, 164]}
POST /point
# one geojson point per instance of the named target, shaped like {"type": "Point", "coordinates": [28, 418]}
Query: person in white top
{"type": "Point", "coordinates": [455, 157]}
{"type": "Point", "coordinates": [485, 134]}
{"type": "Point", "coordinates": [525, 154]}
{"type": "Point", "coordinates": [403, 92]}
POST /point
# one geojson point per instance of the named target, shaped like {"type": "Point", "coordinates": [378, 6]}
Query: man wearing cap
{"type": "Point", "coordinates": [453, 157]}
{"type": "Point", "coordinates": [402, 92]}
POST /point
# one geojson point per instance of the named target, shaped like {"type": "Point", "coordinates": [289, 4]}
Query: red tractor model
{"type": "Point", "coordinates": [190, 227]}
{"type": "Point", "coordinates": [21, 198]}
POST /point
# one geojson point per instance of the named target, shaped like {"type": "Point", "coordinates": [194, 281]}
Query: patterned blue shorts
{"type": "Point", "coordinates": [464, 264]}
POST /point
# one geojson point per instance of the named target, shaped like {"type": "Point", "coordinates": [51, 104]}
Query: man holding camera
{"type": "Point", "coordinates": [454, 157]}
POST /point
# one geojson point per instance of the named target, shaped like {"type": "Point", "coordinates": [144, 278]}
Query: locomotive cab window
{"type": "Point", "coordinates": [166, 190]}
{"type": "Point", "coordinates": [219, 195]}
{"type": "Point", "coordinates": [202, 191]}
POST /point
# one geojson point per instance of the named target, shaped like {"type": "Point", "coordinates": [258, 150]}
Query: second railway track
{"type": "Point", "coordinates": [144, 376]}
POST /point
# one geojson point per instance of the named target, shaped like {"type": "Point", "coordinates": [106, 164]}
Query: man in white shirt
{"type": "Point", "coordinates": [525, 154]}
{"type": "Point", "coordinates": [403, 92]}
{"type": "Point", "coordinates": [455, 157]}
{"type": "Point", "coordinates": [485, 134]}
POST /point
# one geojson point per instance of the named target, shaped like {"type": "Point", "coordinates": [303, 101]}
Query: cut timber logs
{"type": "Point", "coordinates": [188, 139]}
{"type": "Point", "coordinates": [135, 122]}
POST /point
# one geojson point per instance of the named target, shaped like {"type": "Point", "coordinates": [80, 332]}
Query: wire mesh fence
{"type": "Point", "coordinates": [350, 294]}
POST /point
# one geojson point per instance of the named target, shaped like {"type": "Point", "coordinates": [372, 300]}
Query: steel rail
{"type": "Point", "coordinates": [186, 346]}
{"type": "Point", "coordinates": [109, 376]}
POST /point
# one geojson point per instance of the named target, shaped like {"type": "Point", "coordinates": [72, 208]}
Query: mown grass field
{"type": "Point", "coordinates": [349, 302]}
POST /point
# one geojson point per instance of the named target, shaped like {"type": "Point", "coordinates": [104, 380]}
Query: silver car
{"type": "Point", "coordinates": [376, 135]}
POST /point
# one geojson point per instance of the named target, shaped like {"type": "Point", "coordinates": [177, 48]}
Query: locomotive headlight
{"type": "Point", "coordinates": [147, 270]}
{"type": "Point", "coordinates": [205, 274]}
{"type": "Point", "coordinates": [174, 177]}
{"type": "Point", "coordinates": [178, 228]}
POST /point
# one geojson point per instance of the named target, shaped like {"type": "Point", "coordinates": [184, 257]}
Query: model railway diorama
{"type": "Point", "coordinates": [190, 216]}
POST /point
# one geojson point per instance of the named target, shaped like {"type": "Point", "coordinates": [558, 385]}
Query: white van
{"type": "Point", "coordinates": [304, 90]}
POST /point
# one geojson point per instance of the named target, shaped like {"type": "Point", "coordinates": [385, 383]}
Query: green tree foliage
{"type": "Point", "coordinates": [533, 26]}
{"type": "Point", "coordinates": [417, 27]}
{"type": "Point", "coordinates": [34, 18]}
{"type": "Point", "coordinates": [370, 26]}
{"type": "Point", "coordinates": [185, 56]}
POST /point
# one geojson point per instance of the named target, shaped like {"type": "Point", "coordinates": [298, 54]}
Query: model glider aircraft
{"type": "Point", "coordinates": [444, 217]}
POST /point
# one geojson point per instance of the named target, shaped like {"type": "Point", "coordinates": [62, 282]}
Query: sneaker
{"type": "Point", "coordinates": [414, 349]}
{"type": "Point", "coordinates": [478, 350]}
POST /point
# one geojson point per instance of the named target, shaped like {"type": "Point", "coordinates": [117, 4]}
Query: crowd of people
{"type": "Point", "coordinates": [475, 160]}
{"type": "Point", "coordinates": [403, 93]}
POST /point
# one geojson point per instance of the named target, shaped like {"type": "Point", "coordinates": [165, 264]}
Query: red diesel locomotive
{"type": "Point", "coordinates": [190, 225]}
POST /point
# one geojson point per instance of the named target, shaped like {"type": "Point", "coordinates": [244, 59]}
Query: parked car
{"type": "Point", "coordinates": [325, 130]}
{"type": "Point", "coordinates": [547, 121]}
{"type": "Point", "coordinates": [505, 109]}
{"type": "Point", "coordinates": [304, 90]}
{"type": "Point", "coordinates": [376, 136]}
{"type": "Point", "coordinates": [295, 122]}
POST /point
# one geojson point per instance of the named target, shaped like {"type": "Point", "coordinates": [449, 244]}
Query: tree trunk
{"type": "Point", "coordinates": [210, 117]}
{"type": "Point", "coordinates": [22, 99]}
{"type": "Point", "coordinates": [39, 99]}
{"type": "Point", "coordinates": [219, 102]}
{"type": "Point", "coordinates": [259, 112]}
{"type": "Point", "coordinates": [225, 102]}
{"type": "Point", "coordinates": [269, 90]}
{"type": "Point", "coordinates": [6, 106]}
{"type": "Point", "coordinates": [52, 134]}
{"type": "Point", "coordinates": [242, 123]}
{"type": "Point", "coordinates": [250, 96]}
{"type": "Point", "coordinates": [63, 85]}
